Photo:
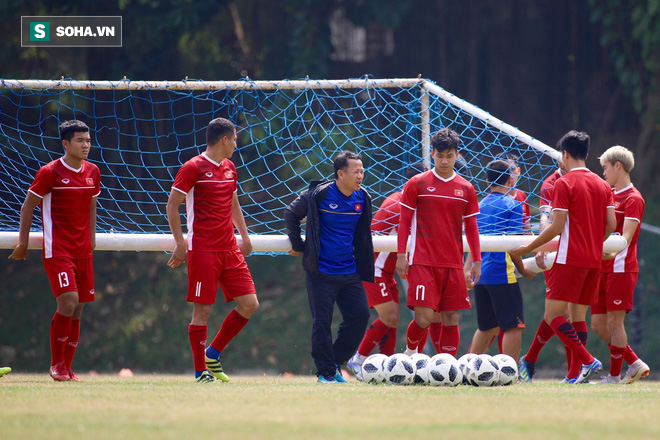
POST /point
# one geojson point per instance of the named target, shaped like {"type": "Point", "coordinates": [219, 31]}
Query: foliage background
{"type": "Point", "coordinates": [544, 66]}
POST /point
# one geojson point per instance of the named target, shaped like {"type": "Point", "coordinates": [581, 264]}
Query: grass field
{"type": "Point", "coordinates": [173, 407]}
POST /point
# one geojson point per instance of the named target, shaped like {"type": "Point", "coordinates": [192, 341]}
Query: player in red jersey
{"type": "Point", "coordinates": [583, 216]}
{"type": "Point", "coordinates": [67, 189]}
{"type": "Point", "coordinates": [620, 269]}
{"type": "Point", "coordinates": [434, 206]}
{"type": "Point", "coordinates": [208, 183]}
{"type": "Point", "coordinates": [527, 363]}
{"type": "Point", "coordinates": [383, 294]}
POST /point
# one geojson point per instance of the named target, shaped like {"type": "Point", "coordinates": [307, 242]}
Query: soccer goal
{"type": "Point", "coordinates": [288, 133]}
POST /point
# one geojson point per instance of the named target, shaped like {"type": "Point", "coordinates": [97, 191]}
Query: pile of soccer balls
{"type": "Point", "coordinates": [442, 369]}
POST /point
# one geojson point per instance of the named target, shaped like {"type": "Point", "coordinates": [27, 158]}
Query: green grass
{"type": "Point", "coordinates": [173, 407]}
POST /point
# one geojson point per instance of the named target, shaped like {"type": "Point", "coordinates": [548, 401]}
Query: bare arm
{"type": "Point", "coordinates": [27, 210]}
{"type": "Point", "coordinates": [550, 232]}
{"type": "Point", "coordinates": [174, 220]}
{"type": "Point", "coordinates": [611, 223]}
{"type": "Point", "coordinates": [518, 262]}
{"type": "Point", "coordinates": [239, 222]}
{"type": "Point", "coordinates": [546, 219]}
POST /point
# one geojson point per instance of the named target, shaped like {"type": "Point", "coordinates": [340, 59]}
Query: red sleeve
{"type": "Point", "coordinates": [43, 182]}
{"type": "Point", "coordinates": [408, 206]}
{"type": "Point", "coordinates": [472, 236]}
{"type": "Point", "coordinates": [186, 177]}
{"type": "Point", "coordinates": [634, 208]}
{"type": "Point", "coordinates": [97, 185]}
{"type": "Point", "coordinates": [560, 195]}
{"type": "Point", "coordinates": [472, 207]}
{"type": "Point", "coordinates": [387, 216]}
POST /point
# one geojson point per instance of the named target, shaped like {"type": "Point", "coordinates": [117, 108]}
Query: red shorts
{"type": "Point", "coordinates": [615, 292]}
{"type": "Point", "coordinates": [208, 270]}
{"type": "Point", "coordinates": [382, 290]}
{"type": "Point", "coordinates": [438, 288]}
{"type": "Point", "coordinates": [71, 275]}
{"type": "Point", "coordinates": [577, 285]}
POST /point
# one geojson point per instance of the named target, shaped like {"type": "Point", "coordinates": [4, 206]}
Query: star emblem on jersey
{"type": "Point", "coordinates": [229, 174]}
{"type": "Point", "coordinates": [458, 192]}
{"type": "Point", "coordinates": [209, 174]}
{"type": "Point", "coordinates": [334, 206]}
{"type": "Point", "coordinates": [616, 205]}
{"type": "Point", "coordinates": [430, 188]}
{"type": "Point", "coordinates": [89, 181]}
{"type": "Point", "coordinates": [358, 207]}
{"type": "Point", "coordinates": [65, 181]}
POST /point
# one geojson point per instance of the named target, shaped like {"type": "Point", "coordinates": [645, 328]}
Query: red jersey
{"type": "Point", "coordinates": [628, 204]}
{"type": "Point", "coordinates": [586, 197]}
{"type": "Point", "coordinates": [66, 197]}
{"type": "Point", "coordinates": [521, 196]}
{"type": "Point", "coordinates": [435, 208]}
{"type": "Point", "coordinates": [546, 188]}
{"type": "Point", "coordinates": [385, 222]}
{"type": "Point", "coordinates": [209, 188]}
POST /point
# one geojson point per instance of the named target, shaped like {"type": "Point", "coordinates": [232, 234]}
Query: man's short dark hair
{"type": "Point", "coordinates": [445, 139]}
{"type": "Point", "coordinates": [576, 143]}
{"type": "Point", "coordinates": [498, 172]}
{"type": "Point", "coordinates": [415, 169]}
{"type": "Point", "coordinates": [69, 128]}
{"type": "Point", "coordinates": [508, 155]}
{"type": "Point", "coordinates": [218, 128]}
{"type": "Point", "coordinates": [341, 161]}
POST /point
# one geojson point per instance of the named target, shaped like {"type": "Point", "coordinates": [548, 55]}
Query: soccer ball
{"type": "Point", "coordinates": [483, 371]}
{"type": "Point", "coordinates": [372, 369]}
{"type": "Point", "coordinates": [422, 364]}
{"type": "Point", "coordinates": [445, 371]}
{"type": "Point", "coordinates": [508, 369]}
{"type": "Point", "coordinates": [399, 369]}
{"type": "Point", "coordinates": [463, 363]}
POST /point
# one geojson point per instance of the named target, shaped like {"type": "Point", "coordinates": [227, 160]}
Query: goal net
{"type": "Point", "coordinates": [288, 134]}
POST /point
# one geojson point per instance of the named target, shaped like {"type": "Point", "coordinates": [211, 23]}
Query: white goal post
{"type": "Point", "coordinates": [280, 243]}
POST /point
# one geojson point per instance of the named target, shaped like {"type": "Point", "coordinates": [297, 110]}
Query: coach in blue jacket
{"type": "Point", "coordinates": [338, 255]}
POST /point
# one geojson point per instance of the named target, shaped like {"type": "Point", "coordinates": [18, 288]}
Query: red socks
{"type": "Point", "coordinates": [376, 331]}
{"type": "Point", "coordinates": [449, 339]}
{"type": "Point", "coordinates": [630, 355]}
{"type": "Point", "coordinates": [570, 338]}
{"type": "Point", "coordinates": [230, 327]}
{"type": "Point", "coordinates": [71, 343]}
{"type": "Point", "coordinates": [543, 335]}
{"type": "Point", "coordinates": [435, 330]}
{"type": "Point", "coordinates": [575, 365]}
{"type": "Point", "coordinates": [197, 337]}
{"type": "Point", "coordinates": [60, 329]}
{"type": "Point", "coordinates": [414, 335]}
{"type": "Point", "coordinates": [387, 345]}
{"type": "Point", "coordinates": [616, 360]}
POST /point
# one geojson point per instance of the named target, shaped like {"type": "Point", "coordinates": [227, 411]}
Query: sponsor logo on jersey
{"type": "Point", "coordinates": [430, 188]}
{"type": "Point", "coordinates": [65, 181]}
{"type": "Point", "coordinates": [229, 174]}
{"type": "Point", "coordinates": [617, 302]}
{"type": "Point", "coordinates": [334, 206]}
{"type": "Point", "coordinates": [209, 174]}
{"type": "Point", "coordinates": [89, 181]}
{"type": "Point", "coordinates": [458, 192]}
{"type": "Point", "coordinates": [358, 207]}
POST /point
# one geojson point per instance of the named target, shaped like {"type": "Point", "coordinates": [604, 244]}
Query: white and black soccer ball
{"type": "Point", "coordinates": [445, 371]}
{"type": "Point", "coordinates": [373, 369]}
{"type": "Point", "coordinates": [508, 369]}
{"type": "Point", "coordinates": [422, 364]}
{"type": "Point", "coordinates": [399, 369]}
{"type": "Point", "coordinates": [483, 371]}
{"type": "Point", "coordinates": [463, 363]}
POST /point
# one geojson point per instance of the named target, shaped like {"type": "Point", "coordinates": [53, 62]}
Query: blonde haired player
{"type": "Point", "coordinates": [620, 270]}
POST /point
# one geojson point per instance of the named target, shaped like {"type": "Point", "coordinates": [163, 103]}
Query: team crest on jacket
{"type": "Point", "coordinates": [229, 174]}
{"type": "Point", "coordinates": [458, 192]}
{"type": "Point", "coordinates": [358, 207]}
